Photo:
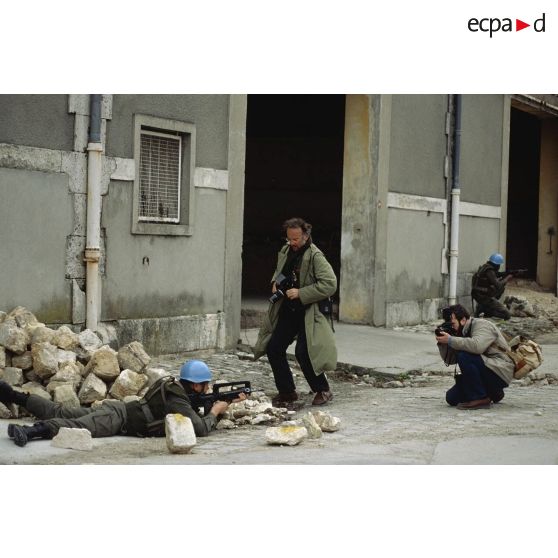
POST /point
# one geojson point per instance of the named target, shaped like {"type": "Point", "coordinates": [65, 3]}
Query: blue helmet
{"type": "Point", "coordinates": [195, 371]}
{"type": "Point", "coordinates": [496, 259]}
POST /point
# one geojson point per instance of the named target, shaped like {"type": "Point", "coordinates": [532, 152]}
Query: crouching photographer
{"type": "Point", "coordinates": [479, 349]}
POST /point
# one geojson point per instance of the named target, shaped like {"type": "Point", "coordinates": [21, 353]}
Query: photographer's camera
{"type": "Point", "coordinates": [446, 326]}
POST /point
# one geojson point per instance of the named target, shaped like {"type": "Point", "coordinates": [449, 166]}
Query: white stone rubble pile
{"type": "Point", "coordinates": [310, 426]}
{"type": "Point", "coordinates": [69, 368]}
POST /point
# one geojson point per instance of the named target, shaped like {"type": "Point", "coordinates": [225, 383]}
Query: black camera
{"type": "Point", "coordinates": [446, 326]}
{"type": "Point", "coordinates": [283, 284]}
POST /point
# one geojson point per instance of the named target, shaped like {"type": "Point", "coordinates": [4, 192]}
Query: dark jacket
{"type": "Point", "coordinates": [141, 414]}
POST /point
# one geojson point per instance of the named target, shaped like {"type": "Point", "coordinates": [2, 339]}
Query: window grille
{"type": "Point", "coordinates": [160, 163]}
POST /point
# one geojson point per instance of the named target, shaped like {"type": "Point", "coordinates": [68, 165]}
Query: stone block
{"type": "Point", "coordinates": [104, 364]}
{"type": "Point", "coordinates": [66, 396]}
{"type": "Point", "coordinates": [45, 359]}
{"type": "Point", "coordinates": [73, 438]}
{"type": "Point", "coordinates": [127, 383]}
{"type": "Point", "coordinates": [133, 357]}
{"type": "Point", "coordinates": [285, 435]}
{"type": "Point", "coordinates": [179, 432]}
{"type": "Point", "coordinates": [327, 422]}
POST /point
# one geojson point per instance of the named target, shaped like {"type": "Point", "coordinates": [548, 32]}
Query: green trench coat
{"type": "Point", "coordinates": [317, 282]}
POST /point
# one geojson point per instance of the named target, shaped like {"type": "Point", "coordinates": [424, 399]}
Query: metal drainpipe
{"type": "Point", "coordinates": [455, 195]}
{"type": "Point", "coordinates": [93, 240]}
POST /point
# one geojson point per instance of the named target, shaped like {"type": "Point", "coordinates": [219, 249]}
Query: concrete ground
{"type": "Point", "coordinates": [407, 425]}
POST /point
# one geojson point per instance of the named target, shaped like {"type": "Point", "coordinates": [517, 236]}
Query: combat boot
{"type": "Point", "coordinates": [22, 434]}
{"type": "Point", "coordinates": [9, 395]}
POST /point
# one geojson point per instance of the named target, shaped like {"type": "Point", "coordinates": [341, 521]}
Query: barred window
{"type": "Point", "coordinates": [165, 159]}
{"type": "Point", "coordinates": [159, 178]}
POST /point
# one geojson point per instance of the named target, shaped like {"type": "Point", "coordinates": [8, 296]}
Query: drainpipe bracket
{"type": "Point", "coordinates": [94, 147]}
{"type": "Point", "coordinates": [92, 255]}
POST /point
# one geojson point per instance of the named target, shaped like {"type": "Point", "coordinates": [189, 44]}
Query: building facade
{"type": "Point", "coordinates": [408, 195]}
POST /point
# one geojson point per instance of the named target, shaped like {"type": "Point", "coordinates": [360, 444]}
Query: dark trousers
{"type": "Point", "coordinates": [492, 308]}
{"type": "Point", "coordinates": [476, 380]}
{"type": "Point", "coordinates": [289, 326]}
{"type": "Point", "coordinates": [108, 420]}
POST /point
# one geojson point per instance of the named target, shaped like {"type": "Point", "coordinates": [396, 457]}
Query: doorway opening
{"type": "Point", "coordinates": [523, 192]}
{"type": "Point", "coordinates": [294, 168]}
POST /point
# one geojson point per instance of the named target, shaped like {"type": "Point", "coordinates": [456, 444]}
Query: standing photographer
{"type": "Point", "coordinates": [303, 277]}
{"type": "Point", "coordinates": [478, 347]}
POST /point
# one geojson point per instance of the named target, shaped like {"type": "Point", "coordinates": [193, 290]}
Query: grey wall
{"type": "Point", "coordinates": [402, 149]}
{"type": "Point", "coordinates": [414, 248]}
{"type": "Point", "coordinates": [481, 148]}
{"type": "Point", "coordinates": [37, 121]}
{"type": "Point", "coordinates": [184, 275]}
{"type": "Point", "coordinates": [418, 144]}
{"type": "Point", "coordinates": [209, 113]}
{"type": "Point", "coordinates": [36, 216]}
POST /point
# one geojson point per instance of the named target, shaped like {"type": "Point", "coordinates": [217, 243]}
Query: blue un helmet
{"type": "Point", "coordinates": [496, 259]}
{"type": "Point", "coordinates": [195, 371]}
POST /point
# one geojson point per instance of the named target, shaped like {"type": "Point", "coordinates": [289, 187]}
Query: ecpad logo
{"type": "Point", "coordinates": [492, 25]}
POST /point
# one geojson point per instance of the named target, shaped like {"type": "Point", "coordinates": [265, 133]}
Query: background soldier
{"type": "Point", "coordinates": [488, 286]}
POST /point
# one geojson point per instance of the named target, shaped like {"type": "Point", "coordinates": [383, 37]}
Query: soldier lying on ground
{"type": "Point", "coordinates": [144, 418]}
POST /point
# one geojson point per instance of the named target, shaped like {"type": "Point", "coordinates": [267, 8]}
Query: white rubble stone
{"type": "Point", "coordinates": [68, 372]}
{"type": "Point", "coordinates": [35, 388]}
{"type": "Point", "coordinates": [88, 341]}
{"type": "Point", "coordinates": [225, 424]}
{"type": "Point", "coordinates": [3, 316]}
{"type": "Point", "coordinates": [128, 383]}
{"type": "Point", "coordinates": [52, 385]}
{"type": "Point", "coordinates": [261, 419]}
{"type": "Point", "coordinates": [66, 356]}
{"type": "Point", "coordinates": [22, 316]}
{"type": "Point", "coordinates": [3, 357]}
{"type": "Point", "coordinates": [65, 395]}
{"type": "Point", "coordinates": [23, 361]}
{"type": "Point", "coordinates": [394, 384]}
{"type": "Point", "coordinates": [12, 337]}
{"type": "Point", "coordinates": [41, 334]}
{"type": "Point", "coordinates": [309, 422]}
{"type": "Point", "coordinates": [179, 432]}
{"type": "Point", "coordinates": [286, 435]}
{"type": "Point", "coordinates": [64, 338]}
{"type": "Point", "coordinates": [45, 359]}
{"type": "Point", "coordinates": [154, 374]}
{"type": "Point", "coordinates": [92, 389]}
{"type": "Point", "coordinates": [133, 357]}
{"type": "Point", "coordinates": [327, 422]}
{"type": "Point", "coordinates": [13, 376]}
{"type": "Point", "coordinates": [73, 438]}
{"type": "Point", "coordinates": [5, 413]}
{"type": "Point", "coordinates": [104, 364]}
{"type": "Point", "coordinates": [537, 375]}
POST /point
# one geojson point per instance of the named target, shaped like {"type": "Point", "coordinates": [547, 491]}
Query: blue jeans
{"type": "Point", "coordinates": [476, 380]}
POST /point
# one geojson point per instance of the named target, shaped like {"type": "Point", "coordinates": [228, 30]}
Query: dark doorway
{"type": "Point", "coordinates": [294, 168]}
{"type": "Point", "coordinates": [523, 192]}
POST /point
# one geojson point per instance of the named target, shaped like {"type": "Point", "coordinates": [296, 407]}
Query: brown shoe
{"type": "Point", "coordinates": [322, 397]}
{"type": "Point", "coordinates": [498, 396]}
{"type": "Point", "coordinates": [476, 404]}
{"type": "Point", "coordinates": [283, 399]}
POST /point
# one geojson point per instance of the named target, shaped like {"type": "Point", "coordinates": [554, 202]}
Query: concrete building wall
{"type": "Point", "coordinates": [547, 260]}
{"type": "Point", "coordinates": [210, 114]}
{"type": "Point", "coordinates": [173, 292]}
{"type": "Point", "coordinates": [482, 136]}
{"type": "Point", "coordinates": [418, 145]}
{"type": "Point", "coordinates": [36, 217]}
{"type": "Point", "coordinates": [36, 121]}
{"type": "Point", "coordinates": [396, 212]}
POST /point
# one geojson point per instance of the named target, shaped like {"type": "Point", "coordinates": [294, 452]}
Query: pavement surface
{"type": "Point", "coordinates": [410, 425]}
